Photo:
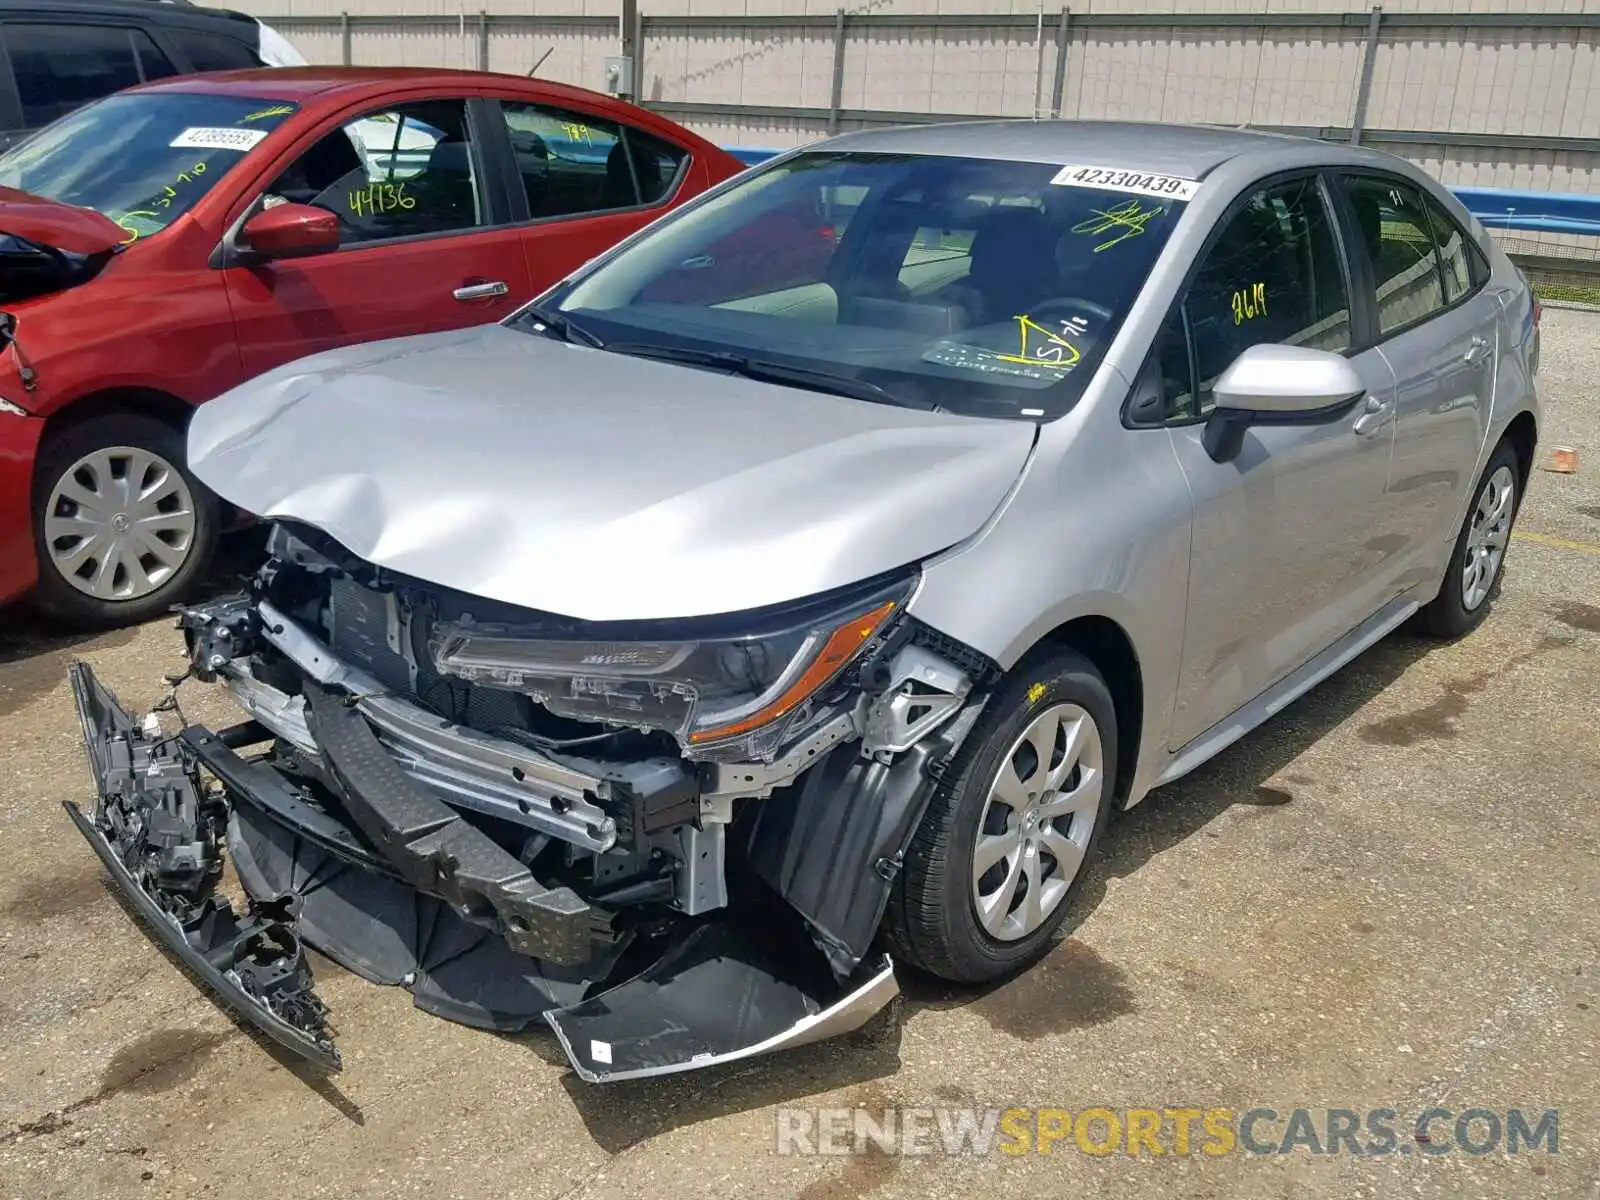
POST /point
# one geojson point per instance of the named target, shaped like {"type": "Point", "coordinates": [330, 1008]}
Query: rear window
{"type": "Point", "coordinates": [973, 285]}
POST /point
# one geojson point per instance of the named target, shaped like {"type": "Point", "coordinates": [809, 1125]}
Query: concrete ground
{"type": "Point", "coordinates": [1385, 898]}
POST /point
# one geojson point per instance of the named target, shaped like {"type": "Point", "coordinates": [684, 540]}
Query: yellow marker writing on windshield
{"type": "Point", "coordinates": [1055, 351]}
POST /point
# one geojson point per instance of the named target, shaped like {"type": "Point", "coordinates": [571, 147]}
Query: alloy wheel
{"type": "Point", "coordinates": [1036, 822]}
{"type": "Point", "coordinates": [1487, 537]}
{"type": "Point", "coordinates": [120, 522]}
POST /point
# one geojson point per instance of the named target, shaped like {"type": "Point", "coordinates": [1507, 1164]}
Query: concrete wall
{"type": "Point", "coordinates": [1528, 78]}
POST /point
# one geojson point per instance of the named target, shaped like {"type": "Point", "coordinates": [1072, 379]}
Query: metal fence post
{"type": "Point", "coordinates": [836, 103]}
{"type": "Point", "coordinates": [344, 37]}
{"type": "Point", "coordinates": [638, 56]}
{"type": "Point", "coordinates": [483, 40]}
{"type": "Point", "coordinates": [1059, 88]}
{"type": "Point", "coordinates": [1369, 58]}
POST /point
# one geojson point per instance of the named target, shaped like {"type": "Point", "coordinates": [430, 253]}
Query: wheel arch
{"type": "Point", "coordinates": [146, 401]}
{"type": "Point", "coordinates": [1106, 644]}
{"type": "Point", "coordinates": [143, 401]}
{"type": "Point", "coordinates": [1523, 435]}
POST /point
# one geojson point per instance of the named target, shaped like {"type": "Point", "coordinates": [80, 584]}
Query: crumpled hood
{"type": "Point", "coordinates": [596, 485]}
{"type": "Point", "coordinates": [63, 226]}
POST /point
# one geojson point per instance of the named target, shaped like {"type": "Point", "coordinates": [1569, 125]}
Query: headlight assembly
{"type": "Point", "coordinates": [730, 696]}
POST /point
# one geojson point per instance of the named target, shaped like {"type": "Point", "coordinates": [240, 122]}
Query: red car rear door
{"type": "Point", "coordinates": [426, 242]}
{"type": "Point", "coordinates": [588, 179]}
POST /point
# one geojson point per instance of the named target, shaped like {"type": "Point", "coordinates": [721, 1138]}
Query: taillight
{"type": "Point", "coordinates": [1538, 310]}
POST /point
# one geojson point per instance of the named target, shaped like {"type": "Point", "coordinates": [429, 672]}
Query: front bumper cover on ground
{"type": "Point", "coordinates": [718, 990]}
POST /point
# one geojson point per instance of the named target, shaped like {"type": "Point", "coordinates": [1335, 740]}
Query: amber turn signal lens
{"type": "Point", "coordinates": [841, 647]}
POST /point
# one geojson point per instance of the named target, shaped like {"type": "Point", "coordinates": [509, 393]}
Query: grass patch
{"type": "Point", "coordinates": [1572, 292]}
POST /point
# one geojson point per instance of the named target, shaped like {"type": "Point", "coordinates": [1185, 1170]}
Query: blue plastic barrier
{"type": "Point", "coordinates": [1497, 208]}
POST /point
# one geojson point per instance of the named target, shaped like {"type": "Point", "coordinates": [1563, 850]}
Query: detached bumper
{"type": "Point", "coordinates": [382, 901]}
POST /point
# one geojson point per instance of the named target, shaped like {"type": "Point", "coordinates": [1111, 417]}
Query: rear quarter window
{"type": "Point", "coordinates": [212, 51]}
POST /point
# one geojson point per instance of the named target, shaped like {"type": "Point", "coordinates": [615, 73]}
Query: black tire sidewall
{"type": "Point", "coordinates": [1031, 688]}
{"type": "Point", "coordinates": [53, 593]}
{"type": "Point", "coordinates": [1448, 615]}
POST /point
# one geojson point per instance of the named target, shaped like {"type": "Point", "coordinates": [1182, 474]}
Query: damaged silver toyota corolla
{"type": "Point", "coordinates": [805, 580]}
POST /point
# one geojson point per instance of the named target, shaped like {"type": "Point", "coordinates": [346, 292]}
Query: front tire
{"type": "Point", "coordinates": [1000, 853]}
{"type": "Point", "coordinates": [1473, 575]}
{"type": "Point", "coordinates": [120, 527]}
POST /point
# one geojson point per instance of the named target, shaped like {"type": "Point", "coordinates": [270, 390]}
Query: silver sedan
{"type": "Point", "coordinates": [816, 571]}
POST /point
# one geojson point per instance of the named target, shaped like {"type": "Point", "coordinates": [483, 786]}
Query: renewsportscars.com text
{"type": "Point", "coordinates": [1181, 1131]}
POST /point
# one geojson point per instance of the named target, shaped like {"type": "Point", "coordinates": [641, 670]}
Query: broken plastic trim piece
{"type": "Point", "coordinates": [161, 848]}
{"type": "Point", "coordinates": [722, 994]}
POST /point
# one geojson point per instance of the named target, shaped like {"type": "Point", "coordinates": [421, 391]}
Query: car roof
{"type": "Point", "coordinates": [155, 10]}
{"type": "Point", "coordinates": [301, 83]}
{"type": "Point", "coordinates": [1191, 151]}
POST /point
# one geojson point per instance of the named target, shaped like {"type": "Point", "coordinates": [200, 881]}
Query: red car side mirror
{"type": "Point", "coordinates": [291, 231]}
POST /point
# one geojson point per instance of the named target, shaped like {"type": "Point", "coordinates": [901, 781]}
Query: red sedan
{"type": "Point", "coordinates": [168, 242]}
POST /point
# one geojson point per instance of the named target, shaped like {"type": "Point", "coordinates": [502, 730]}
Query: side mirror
{"type": "Point", "coordinates": [1278, 385]}
{"type": "Point", "coordinates": [291, 231]}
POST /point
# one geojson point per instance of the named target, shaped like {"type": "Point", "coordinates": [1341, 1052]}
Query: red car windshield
{"type": "Point", "coordinates": [141, 159]}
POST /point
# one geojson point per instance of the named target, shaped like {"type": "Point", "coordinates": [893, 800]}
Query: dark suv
{"type": "Point", "coordinates": [60, 54]}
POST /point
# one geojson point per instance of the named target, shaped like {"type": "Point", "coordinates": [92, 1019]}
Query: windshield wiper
{"type": "Point", "coordinates": [562, 326]}
{"type": "Point", "coordinates": [767, 371]}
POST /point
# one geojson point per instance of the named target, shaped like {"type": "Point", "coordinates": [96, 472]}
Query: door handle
{"type": "Point", "coordinates": [1477, 352]}
{"type": "Point", "coordinates": [481, 291]}
{"type": "Point", "coordinates": [1375, 414]}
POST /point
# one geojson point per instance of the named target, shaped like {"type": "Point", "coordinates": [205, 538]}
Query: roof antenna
{"type": "Point", "coordinates": [534, 70]}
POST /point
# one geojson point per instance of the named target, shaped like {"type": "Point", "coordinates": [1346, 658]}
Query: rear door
{"type": "Point", "coordinates": [425, 243]}
{"type": "Point", "coordinates": [1438, 328]}
{"type": "Point", "coordinates": [582, 182]}
{"type": "Point", "coordinates": [1286, 551]}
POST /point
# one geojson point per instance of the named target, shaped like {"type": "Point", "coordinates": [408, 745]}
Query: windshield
{"type": "Point", "coordinates": [142, 159]}
{"type": "Point", "coordinates": [969, 285]}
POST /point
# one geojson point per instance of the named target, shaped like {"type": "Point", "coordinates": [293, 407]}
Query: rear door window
{"type": "Point", "coordinates": [59, 68]}
{"type": "Point", "coordinates": [1393, 229]}
{"type": "Point", "coordinates": [571, 163]}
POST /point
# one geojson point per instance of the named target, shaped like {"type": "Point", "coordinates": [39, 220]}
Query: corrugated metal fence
{"type": "Point", "coordinates": [1485, 99]}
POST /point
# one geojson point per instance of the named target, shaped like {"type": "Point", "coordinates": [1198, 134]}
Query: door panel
{"type": "Point", "coordinates": [1445, 377]}
{"type": "Point", "coordinates": [295, 307]}
{"type": "Point", "coordinates": [424, 246]}
{"type": "Point", "coordinates": [1289, 549]}
{"type": "Point", "coordinates": [1440, 335]}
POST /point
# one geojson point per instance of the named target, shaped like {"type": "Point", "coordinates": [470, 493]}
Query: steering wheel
{"type": "Point", "coordinates": [1047, 310]}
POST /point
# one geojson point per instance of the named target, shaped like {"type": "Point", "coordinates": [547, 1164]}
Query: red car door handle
{"type": "Point", "coordinates": [481, 291]}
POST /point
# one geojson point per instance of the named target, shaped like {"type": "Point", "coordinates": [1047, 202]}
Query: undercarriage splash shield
{"type": "Point", "coordinates": [727, 992]}
{"type": "Point", "coordinates": [387, 932]}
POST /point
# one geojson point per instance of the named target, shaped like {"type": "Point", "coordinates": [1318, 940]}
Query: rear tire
{"type": "Point", "coordinates": [987, 830]}
{"type": "Point", "coordinates": [1472, 578]}
{"type": "Point", "coordinates": [120, 526]}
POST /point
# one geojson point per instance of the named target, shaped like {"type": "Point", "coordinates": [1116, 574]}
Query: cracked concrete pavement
{"type": "Point", "coordinates": [1384, 898]}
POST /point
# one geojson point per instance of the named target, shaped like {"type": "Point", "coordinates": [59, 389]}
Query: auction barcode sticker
{"type": "Point", "coordinates": [218, 138]}
{"type": "Point", "coordinates": [1122, 179]}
